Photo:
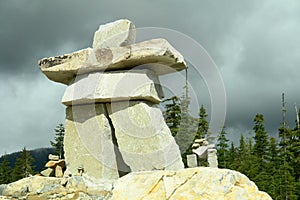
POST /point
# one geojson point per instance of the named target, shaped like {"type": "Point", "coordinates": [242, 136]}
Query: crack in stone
{"type": "Point", "coordinates": [154, 186]}
{"type": "Point", "coordinates": [123, 168]}
{"type": "Point", "coordinates": [189, 178]}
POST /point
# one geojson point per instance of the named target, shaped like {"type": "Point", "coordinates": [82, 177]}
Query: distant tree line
{"type": "Point", "coordinates": [272, 163]}
{"type": "Point", "coordinates": [23, 166]}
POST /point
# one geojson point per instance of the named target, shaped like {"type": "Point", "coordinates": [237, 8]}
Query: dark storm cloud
{"type": "Point", "coordinates": [255, 44]}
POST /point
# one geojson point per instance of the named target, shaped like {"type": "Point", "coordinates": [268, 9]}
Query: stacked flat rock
{"type": "Point", "coordinates": [54, 167]}
{"type": "Point", "coordinates": [113, 124]}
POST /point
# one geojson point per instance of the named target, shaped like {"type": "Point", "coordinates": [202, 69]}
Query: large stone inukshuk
{"type": "Point", "coordinates": [113, 123]}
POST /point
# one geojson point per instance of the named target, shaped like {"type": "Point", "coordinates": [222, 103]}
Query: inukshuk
{"type": "Point", "coordinates": [113, 124]}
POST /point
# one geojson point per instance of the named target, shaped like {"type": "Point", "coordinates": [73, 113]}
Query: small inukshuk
{"type": "Point", "coordinates": [113, 123]}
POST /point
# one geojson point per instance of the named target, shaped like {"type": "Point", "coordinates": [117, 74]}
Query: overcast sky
{"type": "Point", "coordinates": [255, 44]}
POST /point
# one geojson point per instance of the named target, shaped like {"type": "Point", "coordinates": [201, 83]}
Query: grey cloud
{"type": "Point", "coordinates": [255, 44]}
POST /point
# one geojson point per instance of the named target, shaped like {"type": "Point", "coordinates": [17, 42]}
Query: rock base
{"type": "Point", "coordinates": [193, 183]}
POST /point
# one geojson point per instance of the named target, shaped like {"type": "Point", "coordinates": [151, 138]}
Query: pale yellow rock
{"type": "Point", "coordinates": [53, 163]}
{"type": "Point", "coordinates": [118, 33]}
{"type": "Point", "coordinates": [114, 86]}
{"type": "Point", "coordinates": [192, 183]}
{"type": "Point", "coordinates": [58, 171]}
{"type": "Point", "coordinates": [143, 137]}
{"type": "Point", "coordinates": [157, 55]}
{"type": "Point", "coordinates": [49, 172]}
{"type": "Point", "coordinates": [88, 142]}
{"type": "Point", "coordinates": [53, 157]}
{"type": "Point", "coordinates": [35, 184]}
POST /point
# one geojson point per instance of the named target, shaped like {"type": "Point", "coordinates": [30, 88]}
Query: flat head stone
{"type": "Point", "coordinates": [53, 163]}
{"type": "Point", "coordinates": [115, 34]}
{"type": "Point", "coordinates": [53, 157]}
{"type": "Point", "coordinates": [157, 55]}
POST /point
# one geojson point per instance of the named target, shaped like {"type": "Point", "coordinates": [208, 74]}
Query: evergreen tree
{"type": "Point", "coordinates": [202, 124]}
{"type": "Point", "coordinates": [58, 142]}
{"type": "Point", "coordinates": [261, 138]}
{"type": "Point", "coordinates": [23, 166]}
{"type": "Point", "coordinates": [172, 114]}
{"type": "Point", "coordinates": [222, 147]}
{"type": "Point", "coordinates": [288, 185]}
{"type": "Point", "coordinates": [232, 157]}
{"type": "Point", "coordinates": [242, 156]}
{"type": "Point", "coordinates": [274, 172]}
{"type": "Point", "coordinates": [5, 171]}
{"type": "Point", "coordinates": [295, 150]}
{"type": "Point", "coordinates": [202, 131]}
{"type": "Point", "coordinates": [260, 154]}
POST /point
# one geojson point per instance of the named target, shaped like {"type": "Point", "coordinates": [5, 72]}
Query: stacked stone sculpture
{"type": "Point", "coordinates": [113, 123]}
{"type": "Point", "coordinates": [54, 167]}
{"type": "Point", "coordinates": [203, 149]}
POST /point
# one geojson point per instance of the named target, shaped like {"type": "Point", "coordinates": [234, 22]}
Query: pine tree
{"type": "Point", "coordinates": [232, 157]}
{"type": "Point", "coordinates": [58, 144]}
{"type": "Point", "coordinates": [202, 124]}
{"type": "Point", "coordinates": [5, 171]}
{"type": "Point", "coordinates": [260, 154]}
{"type": "Point", "coordinates": [288, 185]}
{"type": "Point", "coordinates": [261, 138]}
{"type": "Point", "coordinates": [222, 147]}
{"type": "Point", "coordinates": [242, 156]}
{"type": "Point", "coordinates": [172, 114]}
{"type": "Point", "coordinates": [274, 172]}
{"type": "Point", "coordinates": [23, 166]}
{"type": "Point", "coordinates": [295, 149]}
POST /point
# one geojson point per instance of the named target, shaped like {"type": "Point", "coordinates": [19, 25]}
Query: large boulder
{"type": "Point", "coordinates": [193, 183]}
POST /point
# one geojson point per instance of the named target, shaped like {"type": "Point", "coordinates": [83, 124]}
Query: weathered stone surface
{"type": "Point", "coordinates": [48, 172]}
{"type": "Point", "coordinates": [143, 137]}
{"type": "Point", "coordinates": [35, 184]}
{"type": "Point", "coordinates": [53, 157]}
{"type": "Point", "coordinates": [115, 34]}
{"type": "Point", "coordinates": [212, 158]}
{"type": "Point", "coordinates": [58, 171]}
{"type": "Point", "coordinates": [53, 163]}
{"type": "Point", "coordinates": [193, 183]}
{"type": "Point", "coordinates": [50, 163]}
{"type": "Point", "coordinates": [157, 55]}
{"type": "Point", "coordinates": [88, 142]}
{"type": "Point", "coordinates": [114, 86]}
{"type": "Point", "coordinates": [50, 188]}
{"type": "Point", "coordinates": [191, 160]}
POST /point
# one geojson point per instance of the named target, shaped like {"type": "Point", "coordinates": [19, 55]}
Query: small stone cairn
{"type": "Point", "coordinates": [113, 123]}
{"type": "Point", "coordinates": [54, 167]}
{"type": "Point", "coordinates": [203, 149]}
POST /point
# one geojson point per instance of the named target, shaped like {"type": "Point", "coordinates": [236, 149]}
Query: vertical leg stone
{"type": "Point", "coordinates": [88, 142]}
{"type": "Point", "coordinates": [191, 160]}
{"type": "Point", "coordinates": [212, 158]}
{"type": "Point", "coordinates": [143, 137]}
{"type": "Point", "coordinates": [58, 171]}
